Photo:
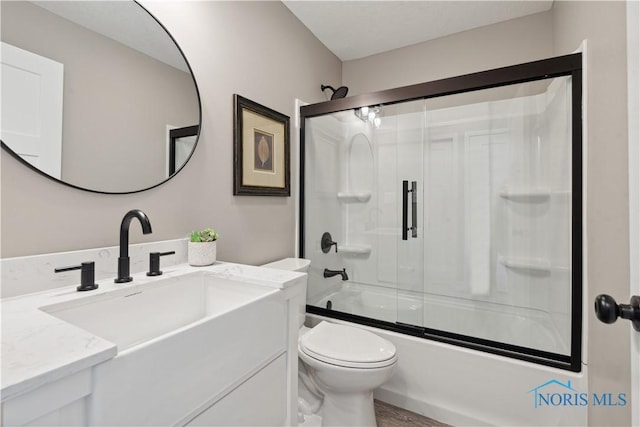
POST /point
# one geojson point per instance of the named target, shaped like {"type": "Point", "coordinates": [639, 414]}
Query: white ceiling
{"type": "Point", "coordinates": [355, 29]}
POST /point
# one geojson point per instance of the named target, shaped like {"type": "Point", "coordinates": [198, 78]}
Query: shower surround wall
{"type": "Point", "coordinates": [343, 195]}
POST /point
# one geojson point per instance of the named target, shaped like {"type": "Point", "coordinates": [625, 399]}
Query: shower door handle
{"type": "Point", "coordinates": [414, 209]}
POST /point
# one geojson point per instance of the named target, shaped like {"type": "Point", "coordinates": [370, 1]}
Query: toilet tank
{"type": "Point", "coordinates": [300, 265]}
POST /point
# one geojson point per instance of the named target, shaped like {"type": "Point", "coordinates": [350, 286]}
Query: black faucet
{"type": "Point", "coordinates": [331, 273]}
{"type": "Point", "coordinates": [123, 260]}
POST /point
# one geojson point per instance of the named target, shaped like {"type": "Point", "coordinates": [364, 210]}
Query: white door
{"type": "Point", "coordinates": [31, 123]}
{"type": "Point", "coordinates": [633, 77]}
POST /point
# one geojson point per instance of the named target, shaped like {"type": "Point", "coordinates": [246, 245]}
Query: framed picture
{"type": "Point", "coordinates": [261, 151]}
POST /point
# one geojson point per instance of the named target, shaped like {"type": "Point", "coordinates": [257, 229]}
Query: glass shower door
{"type": "Point", "coordinates": [497, 227]}
{"type": "Point", "coordinates": [478, 187]}
{"type": "Point", "coordinates": [455, 209]}
{"type": "Point", "coordinates": [399, 139]}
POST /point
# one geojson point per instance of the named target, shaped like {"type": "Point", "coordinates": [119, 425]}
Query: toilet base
{"type": "Point", "coordinates": [348, 410]}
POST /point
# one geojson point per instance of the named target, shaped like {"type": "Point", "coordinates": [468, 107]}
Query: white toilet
{"type": "Point", "coordinates": [342, 363]}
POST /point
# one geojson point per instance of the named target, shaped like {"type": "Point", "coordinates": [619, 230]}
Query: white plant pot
{"type": "Point", "coordinates": [202, 253]}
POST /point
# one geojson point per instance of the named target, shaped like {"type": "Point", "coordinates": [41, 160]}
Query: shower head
{"type": "Point", "coordinates": [341, 92]}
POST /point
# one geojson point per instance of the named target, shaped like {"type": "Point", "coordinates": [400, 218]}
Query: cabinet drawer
{"type": "Point", "coordinates": [264, 393]}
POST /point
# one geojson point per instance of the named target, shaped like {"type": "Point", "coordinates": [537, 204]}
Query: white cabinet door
{"type": "Point", "coordinates": [31, 122]}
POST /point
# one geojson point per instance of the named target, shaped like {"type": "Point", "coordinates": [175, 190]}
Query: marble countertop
{"type": "Point", "coordinates": [38, 348]}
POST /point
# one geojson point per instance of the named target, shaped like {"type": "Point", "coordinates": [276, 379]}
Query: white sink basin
{"type": "Point", "coordinates": [141, 313]}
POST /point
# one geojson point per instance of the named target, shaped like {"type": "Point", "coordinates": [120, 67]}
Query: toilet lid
{"type": "Point", "coordinates": [347, 346]}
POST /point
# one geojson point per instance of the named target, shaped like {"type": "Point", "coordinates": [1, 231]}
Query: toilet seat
{"type": "Point", "coordinates": [347, 346]}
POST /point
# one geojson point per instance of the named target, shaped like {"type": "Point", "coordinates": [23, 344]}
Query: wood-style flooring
{"type": "Point", "coordinates": [391, 416]}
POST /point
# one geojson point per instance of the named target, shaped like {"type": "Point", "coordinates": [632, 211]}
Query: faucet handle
{"type": "Point", "coordinates": [326, 242]}
{"type": "Point", "coordinates": [154, 262]}
{"type": "Point", "coordinates": [87, 275]}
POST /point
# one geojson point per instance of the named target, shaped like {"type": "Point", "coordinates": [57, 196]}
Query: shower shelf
{"type": "Point", "coordinates": [533, 264]}
{"type": "Point", "coordinates": [354, 197]}
{"type": "Point", "coordinates": [537, 195]}
{"type": "Point", "coordinates": [355, 249]}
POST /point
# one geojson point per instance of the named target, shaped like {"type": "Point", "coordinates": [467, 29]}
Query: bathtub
{"type": "Point", "coordinates": [461, 386]}
{"type": "Point", "coordinates": [496, 322]}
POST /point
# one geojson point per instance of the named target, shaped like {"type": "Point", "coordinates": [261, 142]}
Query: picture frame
{"type": "Point", "coordinates": [261, 150]}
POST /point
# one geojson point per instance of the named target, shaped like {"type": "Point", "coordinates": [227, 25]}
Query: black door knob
{"type": "Point", "coordinates": [608, 311]}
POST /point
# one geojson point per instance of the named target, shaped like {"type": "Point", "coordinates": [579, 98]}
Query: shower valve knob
{"type": "Point", "coordinates": [326, 242]}
{"type": "Point", "coordinates": [608, 311]}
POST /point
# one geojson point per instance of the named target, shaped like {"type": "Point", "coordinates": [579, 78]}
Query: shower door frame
{"type": "Point", "coordinates": [567, 65]}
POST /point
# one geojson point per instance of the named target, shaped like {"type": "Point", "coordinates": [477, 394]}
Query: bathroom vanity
{"type": "Point", "coordinates": [195, 346]}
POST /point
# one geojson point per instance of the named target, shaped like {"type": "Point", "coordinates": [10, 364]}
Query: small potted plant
{"type": "Point", "coordinates": [202, 247]}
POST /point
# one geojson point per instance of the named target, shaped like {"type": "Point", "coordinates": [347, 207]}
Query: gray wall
{"type": "Point", "coordinates": [556, 32]}
{"type": "Point", "coordinates": [256, 49]}
{"type": "Point", "coordinates": [603, 25]}
{"type": "Point", "coordinates": [506, 43]}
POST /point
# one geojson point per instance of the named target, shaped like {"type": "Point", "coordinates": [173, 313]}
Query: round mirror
{"type": "Point", "coordinates": [95, 94]}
